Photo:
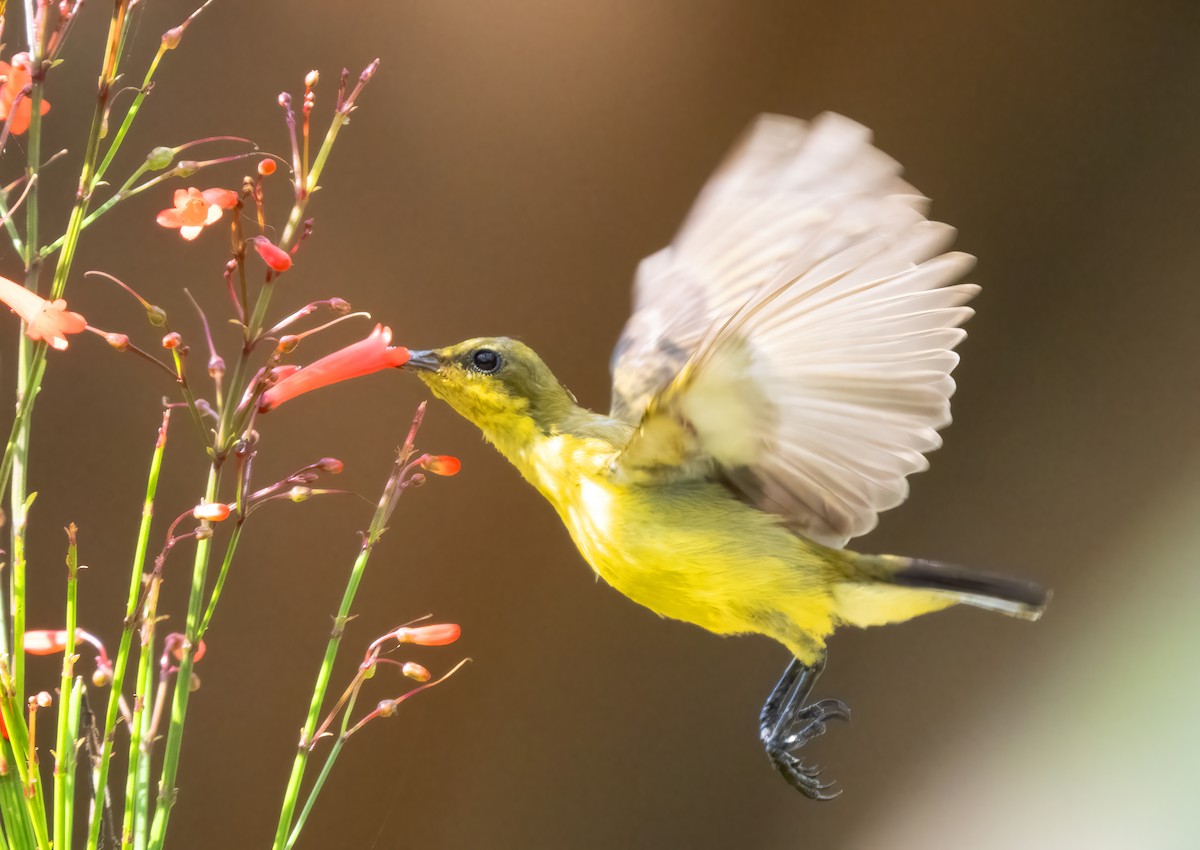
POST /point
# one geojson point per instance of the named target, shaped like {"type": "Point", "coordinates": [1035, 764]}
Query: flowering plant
{"type": "Point", "coordinates": [143, 688]}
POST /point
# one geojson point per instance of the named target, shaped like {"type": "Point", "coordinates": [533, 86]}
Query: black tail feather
{"type": "Point", "coordinates": [1010, 595]}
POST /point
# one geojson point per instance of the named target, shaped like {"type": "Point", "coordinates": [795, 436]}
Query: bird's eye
{"type": "Point", "coordinates": [485, 360]}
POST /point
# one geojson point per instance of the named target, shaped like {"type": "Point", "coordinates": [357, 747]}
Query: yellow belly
{"type": "Point", "coordinates": [697, 554]}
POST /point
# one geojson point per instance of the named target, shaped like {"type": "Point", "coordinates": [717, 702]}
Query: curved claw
{"type": "Point", "coordinates": [786, 725]}
{"type": "Point", "coordinates": [810, 723]}
{"type": "Point", "coordinates": [802, 777]}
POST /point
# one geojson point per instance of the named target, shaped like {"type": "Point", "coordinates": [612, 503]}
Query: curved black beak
{"type": "Point", "coordinates": [423, 361]}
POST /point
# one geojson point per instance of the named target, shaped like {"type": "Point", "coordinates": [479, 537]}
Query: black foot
{"type": "Point", "coordinates": [786, 725]}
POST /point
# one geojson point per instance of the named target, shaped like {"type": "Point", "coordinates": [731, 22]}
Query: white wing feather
{"type": "Point", "coordinates": [798, 333]}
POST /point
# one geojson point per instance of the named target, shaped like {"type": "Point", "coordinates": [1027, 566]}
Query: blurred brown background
{"type": "Point", "coordinates": [509, 166]}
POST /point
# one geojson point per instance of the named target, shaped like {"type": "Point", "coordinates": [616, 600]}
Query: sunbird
{"type": "Point", "coordinates": [786, 367]}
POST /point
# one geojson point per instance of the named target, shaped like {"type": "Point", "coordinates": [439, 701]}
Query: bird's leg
{"type": "Point", "coordinates": [786, 725]}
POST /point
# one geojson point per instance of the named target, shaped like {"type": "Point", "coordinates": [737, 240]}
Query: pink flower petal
{"type": "Point", "coordinates": [226, 199]}
{"type": "Point", "coordinates": [169, 218]}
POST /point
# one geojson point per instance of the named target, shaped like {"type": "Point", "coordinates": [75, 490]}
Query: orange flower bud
{"type": "Point", "coordinates": [45, 641]}
{"type": "Point", "coordinates": [212, 511]}
{"type": "Point", "coordinates": [266, 167]}
{"type": "Point", "coordinates": [441, 464]}
{"type": "Point", "coordinates": [171, 340]}
{"type": "Point", "coordinates": [438, 634]}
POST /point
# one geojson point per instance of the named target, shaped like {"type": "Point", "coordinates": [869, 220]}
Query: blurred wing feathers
{"type": "Point", "coordinates": [798, 333]}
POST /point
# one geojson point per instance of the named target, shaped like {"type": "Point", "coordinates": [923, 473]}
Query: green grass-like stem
{"type": "Point", "coordinates": [64, 747]}
{"type": "Point", "coordinates": [120, 665]}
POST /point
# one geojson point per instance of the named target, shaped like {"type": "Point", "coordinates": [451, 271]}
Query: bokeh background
{"type": "Point", "coordinates": [507, 169]}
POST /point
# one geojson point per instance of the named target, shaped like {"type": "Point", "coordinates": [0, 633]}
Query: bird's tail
{"type": "Point", "coordinates": [1014, 597]}
{"type": "Point", "coordinates": [952, 583]}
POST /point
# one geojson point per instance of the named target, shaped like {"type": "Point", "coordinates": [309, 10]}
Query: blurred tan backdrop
{"type": "Point", "coordinates": [509, 166]}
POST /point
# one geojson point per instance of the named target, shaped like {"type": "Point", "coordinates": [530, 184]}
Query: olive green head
{"type": "Point", "coordinates": [497, 383]}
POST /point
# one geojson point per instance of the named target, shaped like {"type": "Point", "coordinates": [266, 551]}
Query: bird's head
{"type": "Point", "coordinates": [499, 384]}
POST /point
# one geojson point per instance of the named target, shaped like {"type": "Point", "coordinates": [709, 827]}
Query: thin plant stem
{"type": "Point", "coordinates": [215, 597]}
{"type": "Point", "coordinates": [306, 184]}
{"type": "Point", "coordinates": [120, 665]}
{"type": "Point", "coordinates": [318, 784]}
{"type": "Point", "coordinates": [387, 503]}
{"type": "Point", "coordinates": [76, 705]}
{"type": "Point", "coordinates": [141, 742]}
{"type": "Point", "coordinates": [17, 825]}
{"type": "Point", "coordinates": [170, 768]}
{"type": "Point", "coordinates": [18, 735]}
{"type": "Point", "coordinates": [31, 359]}
{"type": "Point", "coordinates": [64, 747]}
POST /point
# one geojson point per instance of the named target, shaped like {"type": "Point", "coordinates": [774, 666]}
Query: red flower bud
{"type": "Point", "coordinates": [267, 167]}
{"type": "Point", "coordinates": [438, 634]}
{"type": "Point", "coordinates": [275, 257]}
{"type": "Point", "coordinates": [331, 465]}
{"type": "Point", "coordinates": [441, 464]}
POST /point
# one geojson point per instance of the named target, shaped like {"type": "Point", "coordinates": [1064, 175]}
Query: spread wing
{"type": "Point", "coordinates": [797, 335]}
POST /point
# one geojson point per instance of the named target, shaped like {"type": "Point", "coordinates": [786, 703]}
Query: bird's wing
{"type": "Point", "coordinates": [798, 334]}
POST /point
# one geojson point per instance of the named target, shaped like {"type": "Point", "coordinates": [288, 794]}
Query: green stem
{"type": "Point", "coordinates": [291, 795]}
{"type": "Point", "coordinates": [88, 177]}
{"type": "Point", "coordinates": [100, 776]}
{"type": "Point", "coordinates": [387, 501]}
{"type": "Point", "coordinates": [64, 746]}
{"type": "Point", "coordinates": [334, 752]}
{"type": "Point", "coordinates": [296, 217]}
{"type": "Point", "coordinates": [220, 585]}
{"type": "Point", "coordinates": [166, 784]}
{"type": "Point", "coordinates": [11, 226]}
{"type": "Point", "coordinates": [72, 737]}
{"type": "Point", "coordinates": [318, 784]}
{"type": "Point", "coordinates": [130, 114]}
{"type": "Point", "coordinates": [137, 782]}
{"type": "Point", "coordinates": [18, 736]}
{"type": "Point", "coordinates": [30, 365]}
{"type": "Point", "coordinates": [137, 818]}
{"type": "Point", "coordinates": [18, 828]}
{"type": "Point", "coordinates": [127, 190]}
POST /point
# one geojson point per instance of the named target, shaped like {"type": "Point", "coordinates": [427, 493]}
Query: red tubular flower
{"type": "Point", "coordinates": [275, 257]}
{"type": "Point", "coordinates": [441, 464]}
{"type": "Point", "coordinates": [438, 634]}
{"type": "Point", "coordinates": [194, 210]}
{"type": "Point", "coordinates": [16, 77]}
{"type": "Point", "coordinates": [361, 358]}
{"type": "Point", "coordinates": [45, 641]}
{"type": "Point", "coordinates": [44, 320]}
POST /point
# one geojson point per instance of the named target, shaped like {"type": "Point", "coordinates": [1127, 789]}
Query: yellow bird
{"type": "Point", "coordinates": [786, 367]}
